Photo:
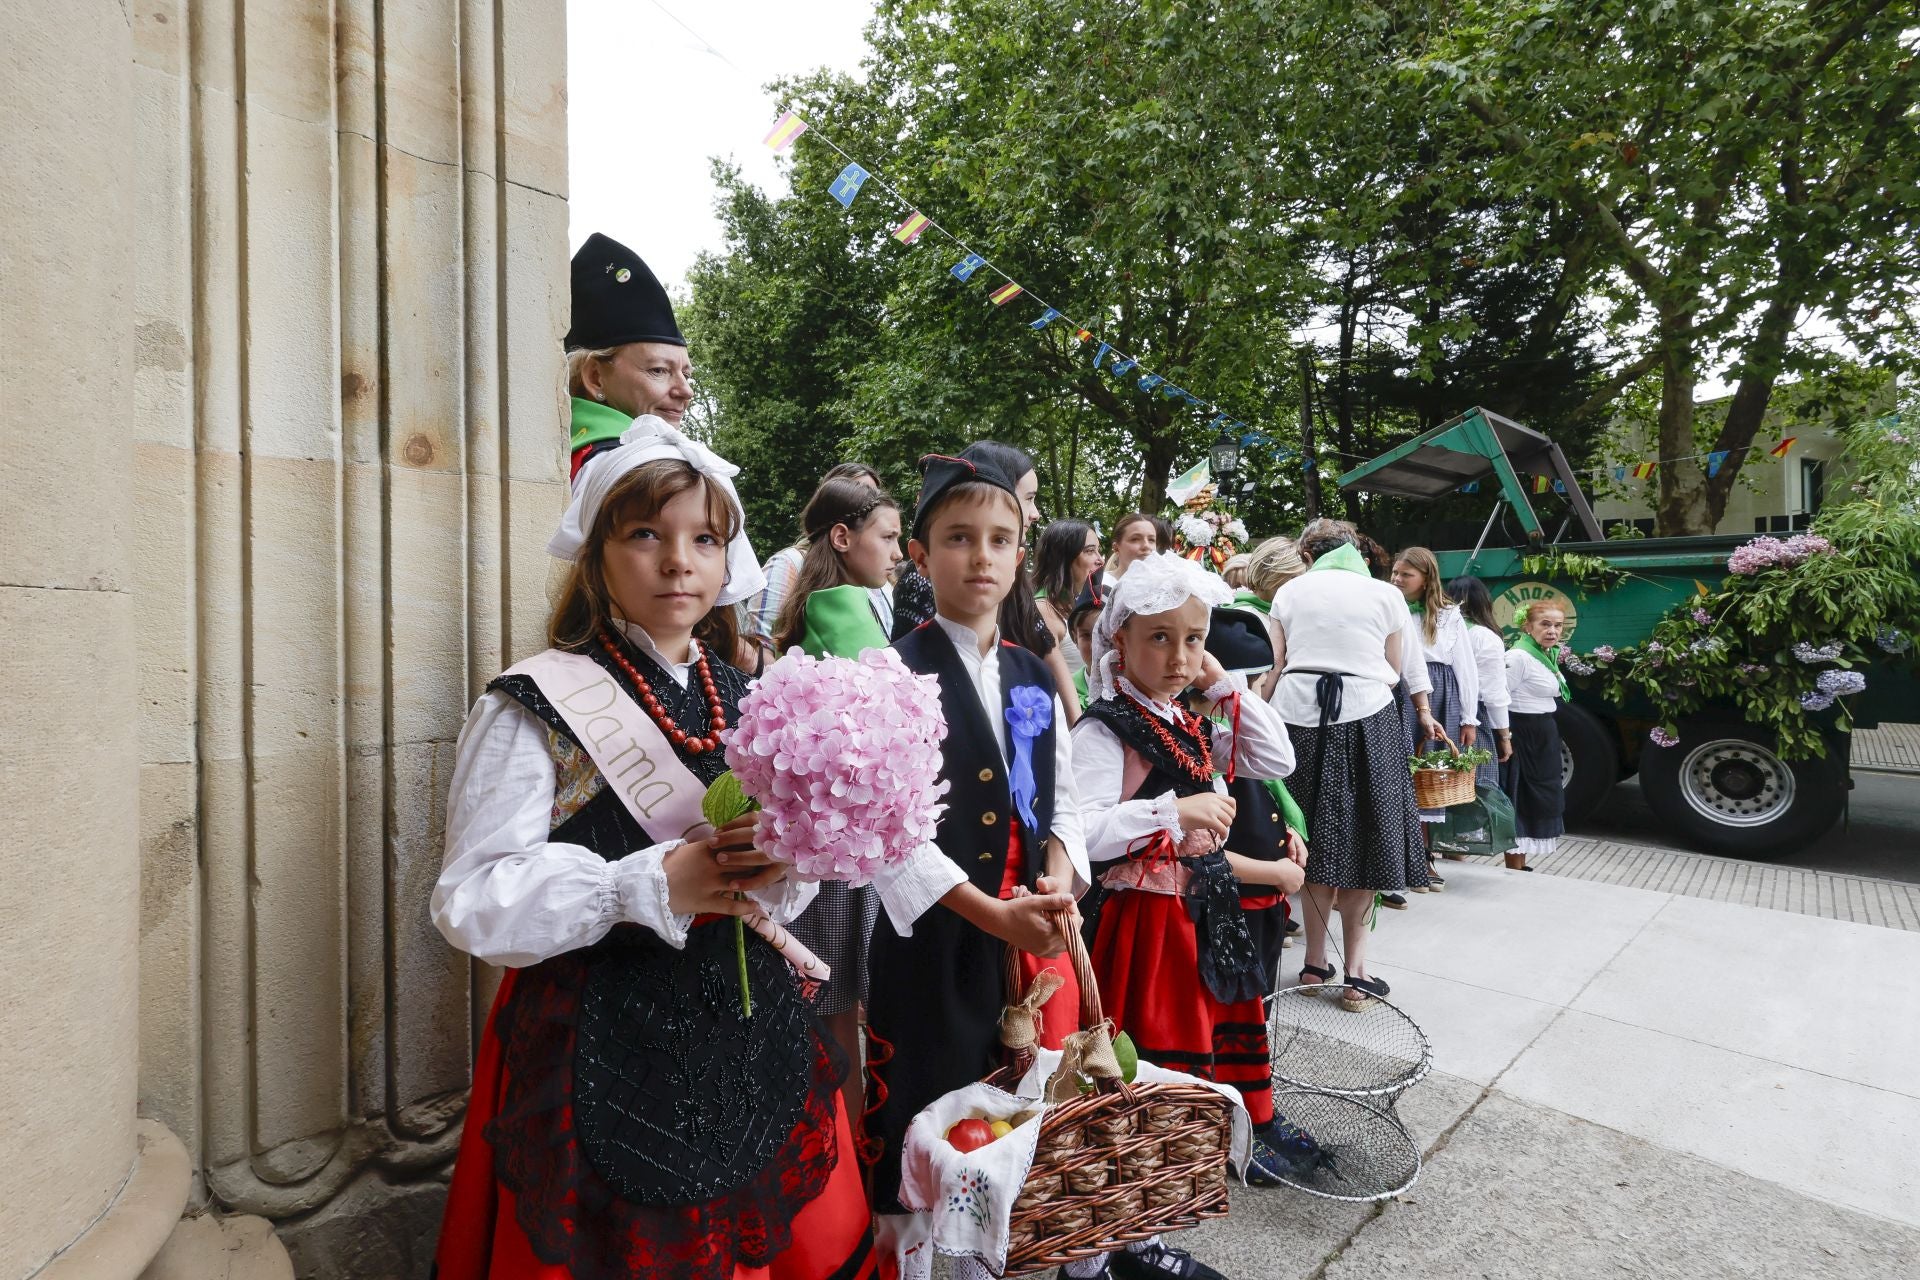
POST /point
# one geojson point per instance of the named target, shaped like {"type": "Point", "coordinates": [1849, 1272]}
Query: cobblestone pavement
{"type": "Point", "coordinates": [1894, 747]}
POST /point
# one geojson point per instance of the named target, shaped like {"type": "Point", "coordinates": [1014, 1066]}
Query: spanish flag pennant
{"type": "Point", "coordinates": [1005, 293]}
{"type": "Point", "coordinates": [1642, 470]}
{"type": "Point", "coordinates": [1780, 450]}
{"type": "Point", "coordinates": [788, 127]}
{"type": "Point", "coordinates": [909, 231]}
{"type": "Point", "coordinates": [1539, 484]}
{"type": "Point", "coordinates": [1083, 334]}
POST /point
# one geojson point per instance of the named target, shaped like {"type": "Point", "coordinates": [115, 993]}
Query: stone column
{"type": "Point", "coordinates": [69, 917]}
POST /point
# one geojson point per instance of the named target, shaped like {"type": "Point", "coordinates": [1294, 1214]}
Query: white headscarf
{"type": "Point", "coordinates": [651, 439]}
{"type": "Point", "coordinates": [1152, 584]}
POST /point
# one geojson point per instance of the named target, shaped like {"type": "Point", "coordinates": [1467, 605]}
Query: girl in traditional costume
{"type": "Point", "coordinates": [1454, 700]}
{"type": "Point", "coordinates": [852, 536]}
{"type": "Point", "coordinates": [1532, 776]}
{"type": "Point", "coordinates": [1178, 968]}
{"type": "Point", "coordinates": [627, 1118]}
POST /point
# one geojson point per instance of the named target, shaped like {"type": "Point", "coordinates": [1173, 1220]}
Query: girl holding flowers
{"type": "Point", "coordinates": [628, 1118]}
{"type": "Point", "coordinates": [852, 533]}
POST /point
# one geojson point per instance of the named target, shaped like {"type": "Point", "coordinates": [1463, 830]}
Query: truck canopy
{"type": "Point", "coordinates": [1477, 446]}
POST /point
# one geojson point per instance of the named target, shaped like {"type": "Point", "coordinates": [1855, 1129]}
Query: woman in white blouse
{"type": "Point", "coordinates": [1341, 640]}
{"type": "Point", "coordinates": [1532, 775]}
{"type": "Point", "coordinates": [1455, 699]}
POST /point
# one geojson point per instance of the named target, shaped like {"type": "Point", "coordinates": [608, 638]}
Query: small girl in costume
{"type": "Point", "coordinates": [1531, 776]}
{"type": "Point", "coordinates": [1178, 968]}
{"type": "Point", "coordinates": [627, 1120]}
{"type": "Point", "coordinates": [852, 535]}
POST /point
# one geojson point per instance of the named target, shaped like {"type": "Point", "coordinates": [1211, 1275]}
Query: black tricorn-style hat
{"type": "Point", "coordinates": [939, 473]}
{"type": "Point", "coordinates": [617, 300]}
{"type": "Point", "coordinates": [1238, 638]}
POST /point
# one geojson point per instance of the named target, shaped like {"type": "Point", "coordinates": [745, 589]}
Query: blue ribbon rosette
{"type": "Point", "coordinates": [1029, 713]}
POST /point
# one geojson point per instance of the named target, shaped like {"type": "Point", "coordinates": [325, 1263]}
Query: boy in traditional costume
{"type": "Point", "coordinates": [627, 1118]}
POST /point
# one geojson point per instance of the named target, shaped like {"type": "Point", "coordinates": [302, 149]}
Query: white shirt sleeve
{"type": "Point", "coordinates": [1264, 749]}
{"type": "Point", "coordinates": [1490, 669]}
{"type": "Point", "coordinates": [1460, 657]}
{"type": "Point", "coordinates": [509, 895]}
{"type": "Point", "coordinates": [910, 889]}
{"type": "Point", "coordinates": [1068, 827]}
{"type": "Point", "coordinates": [1112, 827]}
{"type": "Point", "coordinates": [1413, 655]}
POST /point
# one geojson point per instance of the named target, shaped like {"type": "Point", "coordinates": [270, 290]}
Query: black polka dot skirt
{"type": "Point", "coordinates": [1352, 782]}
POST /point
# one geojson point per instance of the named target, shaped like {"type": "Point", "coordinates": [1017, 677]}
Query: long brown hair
{"type": "Point", "coordinates": [1433, 591]}
{"type": "Point", "coordinates": [584, 606]}
{"type": "Point", "coordinates": [836, 502]}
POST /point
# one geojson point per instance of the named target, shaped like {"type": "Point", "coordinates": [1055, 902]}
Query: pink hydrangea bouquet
{"type": "Point", "coordinates": [843, 757]}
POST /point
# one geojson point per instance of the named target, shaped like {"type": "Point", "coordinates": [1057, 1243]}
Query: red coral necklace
{"type": "Point", "coordinates": [716, 714]}
{"type": "Point", "coordinates": [1199, 768]}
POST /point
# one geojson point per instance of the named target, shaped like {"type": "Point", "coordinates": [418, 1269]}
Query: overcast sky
{"type": "Point", "coordinates": [647, 107]}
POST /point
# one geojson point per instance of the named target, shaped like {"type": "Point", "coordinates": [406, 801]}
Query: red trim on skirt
{"type": "Point", "coordinates": [480, 1239]}
{"type": "Point", "coordinates": [1147, 961]}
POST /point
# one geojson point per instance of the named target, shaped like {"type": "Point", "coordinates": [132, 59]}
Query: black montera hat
{"type": "Point", "coordinates": [1238, 638]}
{"type": "Point", "coordinates": [617, 300]}
{"type": "Point", "coordinates": [939, 473]}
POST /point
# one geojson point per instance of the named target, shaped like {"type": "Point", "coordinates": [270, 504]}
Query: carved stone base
{"type": "Point", "coordinates": [210, 1247]}
{"type": "Point", "coordinates": [374, 1230]}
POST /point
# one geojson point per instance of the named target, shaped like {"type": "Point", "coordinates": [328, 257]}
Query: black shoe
{"type": "Point", "coordinates": [1393, 900]}
{"type": "Point", "coordinates": [1284, 1152]}
{"type": "Point", "coordinates": [1159, 1261]}
{"type": "Point", "coordinates": [1293, 927]}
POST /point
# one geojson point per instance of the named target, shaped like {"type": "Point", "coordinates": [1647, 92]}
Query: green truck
{"type": "Point", "coordinates": [1723, 788]}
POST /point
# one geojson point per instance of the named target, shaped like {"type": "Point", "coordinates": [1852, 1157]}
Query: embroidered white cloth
{"type": "Point", "coordinates": [650, 439]}
{"type": "Point", "coordinates": [963, 1201]}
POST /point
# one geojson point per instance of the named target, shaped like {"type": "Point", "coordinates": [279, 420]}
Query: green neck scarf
{"type": "Point", "coordinates": [1248, 600]}
{"type": "Point", "coordinates": [1551, 661]}
{"type": "Point", "coordinates": [1346, 556]}
{"type": "Point", "coordinates": [594, 422]}
{"type": "Point", "coordinates": [840, 623]}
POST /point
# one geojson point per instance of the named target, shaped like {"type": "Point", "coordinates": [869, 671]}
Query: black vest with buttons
{"type": "Point", "coordinates": [934, 996]}
{"type": "Point", "coordinates": [979, 806]}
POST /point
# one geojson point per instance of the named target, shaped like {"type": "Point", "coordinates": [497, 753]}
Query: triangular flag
{"type": "Point", "coordinates": [1780, 450]}
{"type": "Point", "coordinates": [788, 127]}
{"type": "Point", "coordinates": [848, 184]}
{"type": "Point", "coordinates": [1620, 472]}
{"type": "Point", "coordinates": [909, 231]}
{"type": "Point", "coordinates": [964, 269]}
{"type": "Point", "coordinates": [1005, 293]}
{"type": "Point", "coordinates": [1715, 461]}
{"type": "Point", "coordinates": [1047, 317]}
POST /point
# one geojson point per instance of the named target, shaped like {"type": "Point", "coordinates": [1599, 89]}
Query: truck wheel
{"type": "Point", "coordinates": [1589, 761]}
{"type": "Point", "coordinates": [1725, 791]}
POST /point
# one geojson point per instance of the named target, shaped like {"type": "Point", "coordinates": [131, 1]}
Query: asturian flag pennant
{"type": "Point", "coordinates": [1620, 472]}
{"type": "Point", "coordinates": [1101, 354]}
{"type": "Point", "coordinates": [1307, 464]}
{"type": "Point", "coordinates": [1716, 460]}
{"type": "Point", "coordinates": [1120, 367]}
{"type": "Point", "coordinates": [788, 127]}
{"type": "Point", "coordinates": [1559, 486]}
{"type": "Point", "coordinates": [848, 184]}
{"type": "Point", "coordinates": [1150, 380]}
{"type": "Point", "coordinates": [964, 269]}
{"type": "Point", "coordinates": [1472, 486]}
{"type": "Point", "coordinates": [909, 231]}
{"type": "Point", "coordinates": [1047, 317]}
{"type": "Point", "coordinates": [1005, 293]}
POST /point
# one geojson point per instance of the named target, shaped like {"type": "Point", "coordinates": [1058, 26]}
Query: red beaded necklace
{"type": "Point", "coordinates": [716, 714]}
{"type": "Point", "coordinates": [1200, 768]}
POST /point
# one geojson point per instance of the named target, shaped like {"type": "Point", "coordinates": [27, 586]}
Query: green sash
{"type": "Point", "coordinates": [1347, 557]}
{"type": "Point", "coordinates": [1527, 644]}
{"type": "Point", "coordinates": [840, 623]}
{"type": "Point", "coordinates": [594, 422]}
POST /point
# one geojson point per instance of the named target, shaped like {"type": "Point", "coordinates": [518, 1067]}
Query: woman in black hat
{"type": "Point", "coordinates": [625, 355]}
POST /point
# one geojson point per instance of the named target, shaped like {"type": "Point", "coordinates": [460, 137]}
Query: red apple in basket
{"type": "Point", "coordinates": [970, 1135]}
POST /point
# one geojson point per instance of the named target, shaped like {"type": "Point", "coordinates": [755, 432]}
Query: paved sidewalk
{"type": "Point", "coordinates": [1629, 1082]}
{"type": "Point", "coordinates": [1892, 747]}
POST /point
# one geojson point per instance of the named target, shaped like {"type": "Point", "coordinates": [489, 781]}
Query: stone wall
{"type": "Point", "coordinates": [297, 359]}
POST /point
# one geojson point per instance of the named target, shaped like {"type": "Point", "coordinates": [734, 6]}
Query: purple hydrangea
{"type": "Point", "coordinates": [1654, 646]}
{"type": "Point", "coordinates": [1810, 654]}
{"type": "Point", "coordinates": [1814, 700]}
{"type": "Point", "coordinates": [1772, 553]}
{"type": "Point", "coordinates": [1702, 617]}
{"type": "Point", "coordinates": [1574, 663]}
{"type": "Point", "coordinates": [1604, 654]}
{"type": "Point", "coordinates": [1892, 640]}
{"type": "Point", "coordinates": [1841, 684]}
{"type": "Point", "coordinates": [1661, 736]}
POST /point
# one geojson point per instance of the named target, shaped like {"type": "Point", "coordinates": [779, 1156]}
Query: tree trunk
{"type": "Point", "coordinates": [1683, 499]}
{"type": "Point", "coordinates": [1748, 411]}
{"type": "Point", "coordinates": [1159, 449]}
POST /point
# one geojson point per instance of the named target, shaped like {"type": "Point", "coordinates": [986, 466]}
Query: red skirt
{"type": "Point", "coordinates": [1147, 961]}
{"type": "Point", "coordinates": [481, 1239]}
{"type": "Point", "coordinates": [1060, 1015]}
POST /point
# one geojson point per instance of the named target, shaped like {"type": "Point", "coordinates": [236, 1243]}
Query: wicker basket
{"type": "Point", "coordinates": [1119, 1164]}
{"type": "Point", "coordinates": [1443, 788]}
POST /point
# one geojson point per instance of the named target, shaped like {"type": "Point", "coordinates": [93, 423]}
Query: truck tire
{"type": "Point", "coordinates": [1723, 790]}
{"type": "Point", "coordinates": [1590, 761]}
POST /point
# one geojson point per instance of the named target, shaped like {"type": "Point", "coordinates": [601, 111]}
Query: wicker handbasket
{"type": "Point", "coordinates": [1122, 1163]}
{"type": "Point", "coordinates": [1443, 788]}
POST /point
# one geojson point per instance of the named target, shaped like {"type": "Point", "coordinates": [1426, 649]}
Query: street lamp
{"type": "Point", "coordinates": [1224, 455]}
